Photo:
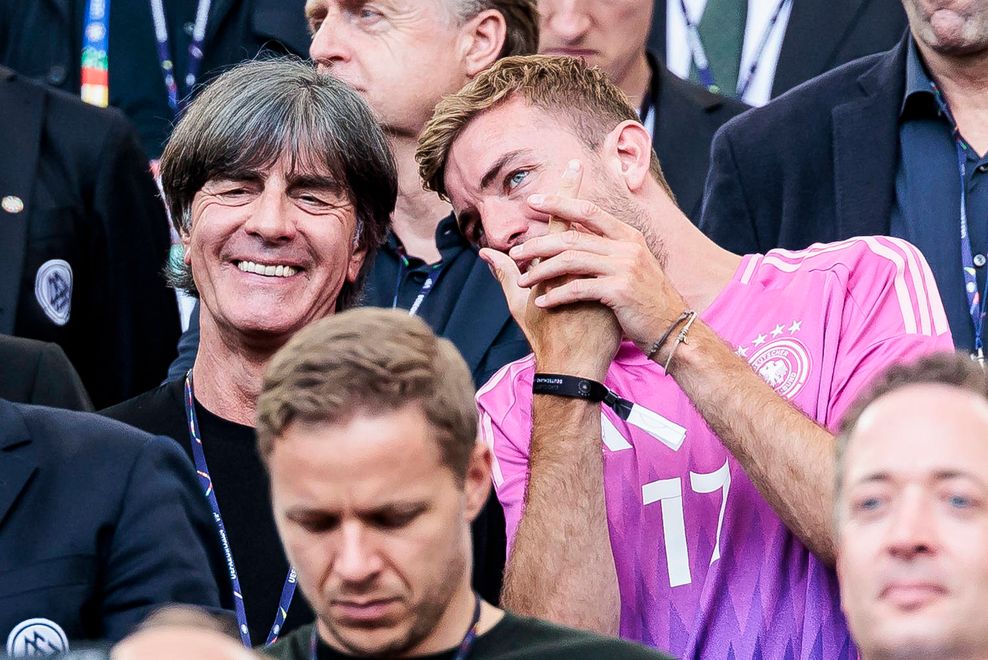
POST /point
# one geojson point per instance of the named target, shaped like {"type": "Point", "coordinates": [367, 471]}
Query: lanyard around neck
{"type": "Point", "coordinates": [288, 590]}
{"type": "Point", "coordinates": [462, 651]}
{"type": "Point", "coordinates": [164, 50]}
{"type": "Point", "coordinates": [699, 53]}
{"type": "Point", "coordinates": [430, 281]}
{"type": "Point", "coordinates": [95, 69]}
{"type": "Point", "coordinates": [976, 300]}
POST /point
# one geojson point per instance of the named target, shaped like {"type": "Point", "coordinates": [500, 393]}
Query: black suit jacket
{"type": "Point", "coordinates": [816, 164]}
{"type": "Point", "coordinates": [686, 118]}
{"type": "Point", "coordinates": [38, 372]}
{"type": "Point", "coordinates": [99, 524]}
{"type": "Point", "coordinates": [89, 200]}
{"type": "Point", "coordinates": [821, 35]}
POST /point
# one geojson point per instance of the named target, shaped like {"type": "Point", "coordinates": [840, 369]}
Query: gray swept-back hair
{"type": "Point", "coordinates": [262, 110]}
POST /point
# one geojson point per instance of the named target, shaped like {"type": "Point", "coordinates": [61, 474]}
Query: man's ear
{"type": "Point", "coordinates": [629, 149]}
{"type": "Point", "coordinates": [356, 262]}
{"type": "Point", "coordinates": [186, 237]}
{"type": "Point", "coordinates": [482, 38]}
{"type": "Point", "coordinates": [477, 484]}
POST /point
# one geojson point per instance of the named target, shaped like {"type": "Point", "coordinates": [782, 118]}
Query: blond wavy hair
{"type": "Point", "coordinates": [563, 87]}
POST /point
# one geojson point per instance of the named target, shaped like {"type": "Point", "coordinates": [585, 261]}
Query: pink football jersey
{"type": "Point", "coordinates": [706, 568]}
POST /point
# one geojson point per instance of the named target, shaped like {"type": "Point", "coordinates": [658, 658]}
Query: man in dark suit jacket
{"type": "Point", "coordinates": [815, 165]}
{"type": "Point", "coordinates": [37, 372]}
{"type": "Point", "coordinates": [99, 525]}
{"type": "Point", "coordinates": [819, 35]}
{"type": "Point", "coordinates": [83, 238]}
{"type": "Point", "coordinates": [866, 149]}
{"type": "Point", "coordinates": [681, 116]}
{"type": "Point", "coordinates": [42, 39]}
{"type": "Point", "coordinates": [686, 119]}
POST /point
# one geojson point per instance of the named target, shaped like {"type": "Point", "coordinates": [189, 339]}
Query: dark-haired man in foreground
{"type": "Point", "coordinates": [369, 430]}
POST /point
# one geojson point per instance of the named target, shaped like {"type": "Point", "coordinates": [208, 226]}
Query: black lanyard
{"type": "Point", "coordinates": [164, 49]}
{"type": "Point", "coordinates": [430, 281]}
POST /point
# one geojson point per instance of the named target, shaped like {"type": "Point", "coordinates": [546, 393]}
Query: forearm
{"type": "Point", "coordinates": [561, 567]}
{"type": "Point", "coordinates": [787, 455]}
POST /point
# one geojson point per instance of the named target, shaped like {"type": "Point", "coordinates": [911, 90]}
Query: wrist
{"type": "Point", "coordinates": [692, 354]}
{"type": "Point", "coordinates": [579, 368]}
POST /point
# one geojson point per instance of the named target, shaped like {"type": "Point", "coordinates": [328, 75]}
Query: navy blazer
{"type": "Point", "coordinates": [38, 372]}
{"type": "Point", "coordinates": [820, 35]}
{"type": "Point", "coordinates": [99, 525]}
{"type": "Point", "coordinates": [815, 165]}
{"type": "Point", "coordinates": [686, 118]}
{"type": "Point", "coordinates": [86, 198]}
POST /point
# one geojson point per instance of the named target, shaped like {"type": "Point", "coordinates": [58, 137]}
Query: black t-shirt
{"type": "Point", "coordinates": [513, 638]}
{"type": "Point", "coordinates": [241, 486]}
{"type": "Point", "coordinates": [396, 280]}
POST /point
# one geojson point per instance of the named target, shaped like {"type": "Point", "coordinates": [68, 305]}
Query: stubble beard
{"type": "Point", "coordinates": [425, 617]}
{"type": "Point", "coordinates": [621, 206]}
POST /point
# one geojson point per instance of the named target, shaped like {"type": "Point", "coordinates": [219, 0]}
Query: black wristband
{"type": "Point", "coordinates": [573, 387]}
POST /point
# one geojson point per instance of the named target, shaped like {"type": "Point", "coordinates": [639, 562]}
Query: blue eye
{"type": "Point", "coordinates": [515, 179]}
{"type": "Point", "coordinates": [869, 504]}
{"type": "Point", "coordinates": [959, 501]}
{"type": "Point", "coordinates": [369, 15]}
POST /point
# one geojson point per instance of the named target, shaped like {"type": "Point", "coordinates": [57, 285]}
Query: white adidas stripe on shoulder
{"type": "Point", "coordinates": [925, 317]}
{"type": "Point", "coordinates": [510, 370]}
{"type": "Point", "coordinates": [929, 294]}
{"type": "Point", "coordinates": [487, 437]}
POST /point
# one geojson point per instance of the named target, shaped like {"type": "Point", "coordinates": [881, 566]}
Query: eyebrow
{"type": "Point", "coordinates": [314, 182]}
{"type": "Point", "coordinates": [314, 9]}
{"type": "Point", "coordinates": [499, 164]}
{"type": "Point", "coordinates": [939, 475]}
{"type": "Point", "coordinates": [399, 508]}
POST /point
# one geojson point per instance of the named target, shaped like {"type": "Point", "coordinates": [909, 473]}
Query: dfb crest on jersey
{"type": "Point", "coordinates": [779, 358]}
{"type": "Point", "coordinates": [36, 637]}
{"type": "Point", "coordinates": [53, 290]}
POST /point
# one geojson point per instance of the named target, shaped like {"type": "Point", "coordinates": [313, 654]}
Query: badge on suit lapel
{"type": "Point", "coordinates": [35, 637]}
{"type": "Point", "coordinates": [53, 290]}
{"type": "Point", "coordinates": [12, 204]}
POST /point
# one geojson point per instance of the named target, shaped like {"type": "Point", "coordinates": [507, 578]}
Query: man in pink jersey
{"type": "Point", "coordinates": [690, 511]}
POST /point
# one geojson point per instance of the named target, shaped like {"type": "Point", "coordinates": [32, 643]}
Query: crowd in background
{"type": "Point", "coordinates": [684, 339]}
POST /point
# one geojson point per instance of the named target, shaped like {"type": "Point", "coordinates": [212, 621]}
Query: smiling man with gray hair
{"type": "Point", "coordinates": [281, 184]}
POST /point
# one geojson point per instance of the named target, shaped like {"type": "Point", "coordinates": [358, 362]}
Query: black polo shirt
{"type": "Point", "coordinates": [396, 280]}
